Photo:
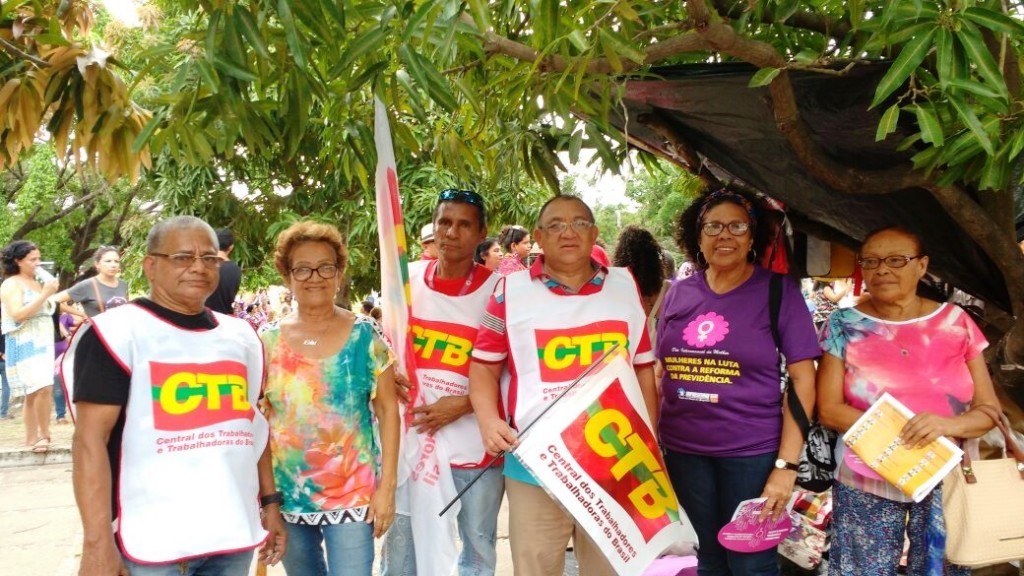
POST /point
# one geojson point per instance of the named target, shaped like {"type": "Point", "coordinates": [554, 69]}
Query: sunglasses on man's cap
{"type": "Point", "coordinates": [454, 195]}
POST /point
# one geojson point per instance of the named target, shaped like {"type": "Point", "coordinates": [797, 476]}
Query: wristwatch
{"type": "Point", "coordinates": [272, 498]}
{"type": "Point", "coordinates": [781, 464]}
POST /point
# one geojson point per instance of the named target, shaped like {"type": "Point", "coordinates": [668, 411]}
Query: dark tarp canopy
{"type": "Point", "coordinates": [732, 130]}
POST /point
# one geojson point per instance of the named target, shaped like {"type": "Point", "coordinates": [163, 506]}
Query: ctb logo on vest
{"type": "Point", "coordinates": [567, 352]}
{"type": "Point", "coordinates": [188, 396]}
{"type": "Point", "coordinates": [442, 345]}
{"type": "Point", "coordinates": [616, 448]}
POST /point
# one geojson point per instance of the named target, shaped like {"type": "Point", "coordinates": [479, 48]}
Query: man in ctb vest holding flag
{"type": "Point", "coordinates": [168, 442]}
{"type": "Point", "coordinates": [550, 323]}
{"type": "Point", "coordinates": [448, 299]}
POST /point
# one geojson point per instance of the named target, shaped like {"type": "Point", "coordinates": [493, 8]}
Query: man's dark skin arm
{"type": "Point", "coordinates": [92, 484]}
{"type": "Point", "coordinates": [276, 545]}
{"type": "Point", "coordinates": [432, 417]}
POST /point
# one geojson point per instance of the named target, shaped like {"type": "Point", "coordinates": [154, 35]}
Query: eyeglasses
{"type": "Point", "coordinates": [325, 271]}
{"type": "Point", "coordinates": [890, 262]}
{"type": "Point", "coordinates": [185, 260]}
{"type": "Point", "coordinates": [560, 227]}
{"type": "Point", "coordinates": [715, 228]}
{"type": "Point", "coordinates": [454, 195]}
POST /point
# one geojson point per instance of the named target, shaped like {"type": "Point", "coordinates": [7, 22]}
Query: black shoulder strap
{"type": "Point", "coordinates": [774, 305]}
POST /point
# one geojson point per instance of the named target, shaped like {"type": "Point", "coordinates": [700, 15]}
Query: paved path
{"type": "Point", "coordinates": [40, 532]}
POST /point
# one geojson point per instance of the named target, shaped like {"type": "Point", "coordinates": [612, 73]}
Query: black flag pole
{"type": "Point", "coordinates": [572, 385]}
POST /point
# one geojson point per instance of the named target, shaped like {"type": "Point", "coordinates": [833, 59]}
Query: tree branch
{"type": "Point", "coordinates": [836, 29]}
{"type": "Point", "coordinates": [493, 43]}
{"type": "Point", "coordinates": [31, 224]}
{"type": "Point", "coordinates": [680, 148]}
{"type": "Point", "coordinates": [15, 182]}
{"type": "Point", "coordinates": [724, 39]}
{"type": "Point", "coordinates": [968, 214]}
{"type": "Point", "coordinates": [973, 219]}
{"type": "Point", "coordinates": [126, 208]}
{"type": "Point", "coordinates": [15, 51]}
{"type": "Point", "coordinates": [721, 38]}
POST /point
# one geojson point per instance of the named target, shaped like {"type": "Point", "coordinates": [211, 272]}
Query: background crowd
{"type": "Point", "coordinates": [332, 388]}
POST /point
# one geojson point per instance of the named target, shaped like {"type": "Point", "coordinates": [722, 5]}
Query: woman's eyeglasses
{"type": "Point", "coordinates": [715, 228]}
{"type": "Point", "coordinates": [325, 271]}
{"type": "Point", "coordinates": [889, 261]}
{"type": "Point", "coordinates": [455, 195]}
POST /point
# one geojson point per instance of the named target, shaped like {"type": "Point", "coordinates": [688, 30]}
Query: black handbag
{"type": "Point", "coordinates": [818, 457]}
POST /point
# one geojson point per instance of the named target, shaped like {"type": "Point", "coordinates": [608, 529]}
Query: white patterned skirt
{"type": "Point", "coordinates": [30, 356]}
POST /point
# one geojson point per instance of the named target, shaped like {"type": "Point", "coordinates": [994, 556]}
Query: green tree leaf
{"type": "Point", "coordinates": [970, 119]}
{"type": "Point", "coordinates": [807, 56]}
{"type": "Point", "coordinates": [371, 40]}
{"type": "Point", "coordinates": [909, 59]}
{"type": "Point", "coordinates": [974, 45]}
{"type": "Point", "coordinates": [291, 33]}
{"type": "Point", "coordinates": [234, 70]}
{"type": "Point", "coordinates": [147, 131]}
{"type": "Point", "coordinates": [978, 89]}
{"type": "Point", "coordinates": [246, 23]}
{"type": "Point", "coordinates": [994, 21]}
{"type": "Point", "coordinates": [928, 122]}
{"type": "Point", "coordinates": [889, 122]}
{"type": "Point", "coordinates": [785, 9]}
{"type": "Point", "coordinates": [621, 47]}
{"type": "Point", "coordinates": [763, 77]}
{"type": "Point", "coordinates": [944, 55]}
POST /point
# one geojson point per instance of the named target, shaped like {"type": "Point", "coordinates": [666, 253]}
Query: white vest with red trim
{"type": "Point", "coordinates": [553, 338]}
{"type": "Point", "coordinates": [192, 435]}
{"type": "Point", "coordinates": [444, 329]}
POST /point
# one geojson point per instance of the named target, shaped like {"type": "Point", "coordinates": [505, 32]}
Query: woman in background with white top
{"type": "Point", "coordinates": [25, 298]}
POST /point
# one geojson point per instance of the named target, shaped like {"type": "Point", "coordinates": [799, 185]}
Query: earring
{"type": "Point", "coordinates": [752, 256]}
{"type": "Point", "coordinates": [704, 264]}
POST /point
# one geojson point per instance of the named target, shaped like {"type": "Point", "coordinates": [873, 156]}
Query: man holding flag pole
{"type": "Point", "coordinates": [442, 449]}
{"type": "Point", "coordinates": [448, 295]}
{"type": "Point", "coordinates": [550, 323]}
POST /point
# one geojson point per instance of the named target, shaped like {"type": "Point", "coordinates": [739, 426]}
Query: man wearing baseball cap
{"type": "Point", "coordinates": [427, 242]}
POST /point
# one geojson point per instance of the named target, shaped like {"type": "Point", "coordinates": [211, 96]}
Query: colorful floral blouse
{"type": "Point", "coordinates": [920, 362]}
{"type": "Point", "coordinates": [510, 263]}
{"type": "Point", "coordinates": [323, 438]}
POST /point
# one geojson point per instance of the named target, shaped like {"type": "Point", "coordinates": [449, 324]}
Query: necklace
{"type": "Point", "coordinates": [315, 341]}
{"type": "Point", "coordinates": [892, 335]}
{"type": "Point", "coordinates": [432, 270]}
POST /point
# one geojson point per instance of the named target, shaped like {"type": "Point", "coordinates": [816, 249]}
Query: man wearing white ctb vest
{"type": "Point", "coordinates": [171, 459]}
{"type": "Point", "coordinates": [448, 299]}
{"type": "Point", "coordinates": [549, 324]}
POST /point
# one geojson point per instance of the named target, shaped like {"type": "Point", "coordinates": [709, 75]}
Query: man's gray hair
{"type": "Point", "coordinates": [164, 227]}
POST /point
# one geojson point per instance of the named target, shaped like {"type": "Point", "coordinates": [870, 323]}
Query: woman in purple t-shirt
{"type": "Point", "coordinates": [925, 354]}
{"type": "Point", "coordinates": [727, 433]}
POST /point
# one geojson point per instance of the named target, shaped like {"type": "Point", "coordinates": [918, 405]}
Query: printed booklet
{"type": "Point", "coordinates": [875, 438]}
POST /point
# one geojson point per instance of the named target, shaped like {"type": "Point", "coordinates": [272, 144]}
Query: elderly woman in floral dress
{"type": "Point", "coordinates": [924, 353]}
{"type": "Point", "coordinates": [325, 367]}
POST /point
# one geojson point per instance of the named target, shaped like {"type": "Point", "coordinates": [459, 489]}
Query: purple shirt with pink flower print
{"type": "Point", "coordinates": [720, 391]}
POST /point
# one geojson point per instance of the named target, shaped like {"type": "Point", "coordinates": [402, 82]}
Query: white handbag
{"type": "Point", "coordinates": [983, 505]}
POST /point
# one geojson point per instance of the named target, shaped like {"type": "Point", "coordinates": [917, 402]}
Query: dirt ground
{"type": "Point", "coordinates": [56, 480]}
{"type": "Point", "coordinates": [12, 431]}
